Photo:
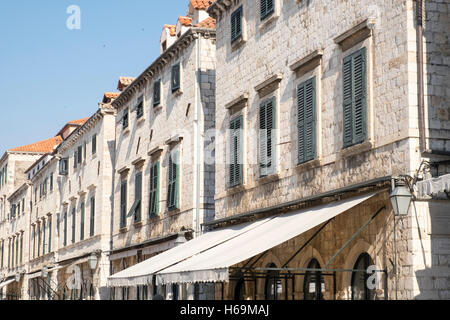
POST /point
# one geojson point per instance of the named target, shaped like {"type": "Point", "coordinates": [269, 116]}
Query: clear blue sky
{"type": "Point", "coordinates": [50, 75]}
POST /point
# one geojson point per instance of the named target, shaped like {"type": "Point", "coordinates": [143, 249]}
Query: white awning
{"type": "Point", "coordinates": [434, 186]}
{"type": "Point", "coordinates": [142, 273]}
{"type": "Point", "coordinates": [4, 284]}
{"type": "Point", "coordinates": [212, 265]}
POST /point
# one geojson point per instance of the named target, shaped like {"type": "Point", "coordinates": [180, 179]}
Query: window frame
{"type": "Point", "coordinates": [175, 86]}
{"type": "Point", "coordinates": [264, 169]}
{"type": "Point", "coordinates": [266, 13]}
{"type": "Point", "coordinates": [236, 152]}
{"type": "Point", "coordinates": [154, 189]}
{"type": "Point", "coordinates": [302, 124]}
{"type": "Point", "coordinates": [236, 15]}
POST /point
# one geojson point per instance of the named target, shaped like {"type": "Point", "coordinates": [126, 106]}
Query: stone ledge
{"type": "Point", "coordinates": [356, 34]}
{"type": "Point", "coordinates": [356, 149]}
{"type": "Point", "coordinates": [308, 62]}
{"type": "Point", "coordinates": [264, 24]}
{"type": "Point", "coordinates": [154, 151]}
{"type": "Point", "coordinates": [157, 108]}
{"type": "Point", "coordinates": [309, 165]}
{"type": "Point", "coordinates": [241, 100]}
{"type": "Point", "coordinates": [238, 43]}
{"type": "Point", "coordinates": [267, 179]}
{"type": "Point", "coordinates": [269, 85]}
{"type": "Point", "coordinates": [237, 189]}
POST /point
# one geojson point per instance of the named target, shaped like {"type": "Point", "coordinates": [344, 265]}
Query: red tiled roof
{"type": "Point", "coordinates": [209, 23]}
{"type": "Point", "coordinates": [185, 21]}
{"type": "Point", "coordinates": [124, 82]}
{"type": "Point", "coordinates": [79, 122]}
{"type": "Point", "coordinates": [45, 146]}
{"type": "Point", "coordinates": [201, 4]}
{"type": "Point", "coordinates": [110, 96]}
{"type": "Point", "coordinates": [172, 29]}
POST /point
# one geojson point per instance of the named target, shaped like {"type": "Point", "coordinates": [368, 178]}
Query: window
{"type": "Point", "coordinates": [267, 8]}
{"type": "Point", "coordinates": [92, 222]}
{"type": "Point", "coordinates": [239, 290]}
{"type": "Point", "coordinates": [140, 107]}
{"type": "Point", "coordinates": [314, 285]}
{"type": "Point", "coordinates": [138, 196]}
{"type": "Point", "coordinates": [65, 228]}
{"type": "Point", "coordinates": [360, 291]}
{"type": "Point", "coordinates": [94, 144]}
{"type": "Point", "coordinates": [125, 118]}
{"type": "Point", "coordinates": [73, 225]}
{"type": "Point", "coordinates": [306, 101]}
{"type": "Point", "coordinates": [49, 235]}
{"type": "Point", "coordinates": [355, 98]}
{"type": "Point", "coordinates": [51, 181]}
{"type": "Point", "coordinates": [82, 211]}
{"type": "Point", "coordinates": [23, 205]}
{"type": "Point", "coordinates": [154, 190]}
{"type": "Point", "coordinates": [80, 154]}
{"type": "Point", "coordinates": [64, 166]}
{"type": "Point", "coordinates": [21, 249]}
{"type": "Point", "coordinates": [175, 77]}
{"type": "Point", "coordinates": [84, 150]}
{"type": "Point", "coordinates": [123, 204]}
{"type": "Point", "coordinates": [267, 141]}
{"type": "Point", "coordinates": [172, 194]}
{"type": "Point", "coordinates": [75, 157]}
{"type": "Point", "coordinates": [236, 172]}
{"type": "Point", "coordinates": [236, 24]}
{"type": "Point", "coordinates": [43, 237]}
{"type": "Point", "coordinates": [273, 287]}
{"type": "Point", "coordinates": [156, 93]}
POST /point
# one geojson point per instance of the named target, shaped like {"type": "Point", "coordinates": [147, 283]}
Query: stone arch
{"type": "Point", "coordinates": [269, 258]}
{"type": "Point", "coordinates": [305, 258]}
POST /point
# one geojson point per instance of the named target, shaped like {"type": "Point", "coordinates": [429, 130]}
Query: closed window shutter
{"type": "Point", "coordinates": [157, 93]}
{"type": "Point", "coordinates": [65, 228]}
{"type": "Point", "coordinates": [236, 24]}
{"type": "Point", "coordinates": [173, 181]}
{"type": "Point", "coordinates": [92, 222]}
{"type": "Point", "coordinates": [175, 77]}
{"type": "Point", "coordinates": [94, 144]}
{"type": "Point", "coordinates": [73, 225]}
{"type": "Point", "coordinates": [138, 197]}
{"type": "Point", "coordinates": [267, 8]}
{"type": "Point", "coordinates": [80, 154]}
{"type": "Point", "coordinates": [266, 126]}
{"type": "Point", "coordinates": [355, 98]}
{"type": "Point", "coordinates": [236, 173]}
{"type": "Point", "coordinates": [263, 8]}
{"type": "Point", "coordinates": [75, 157]}
{"type": "Point", "coordinates": [123, 204]}
{"type": "Point", "coordinates": [306, 96]}
{"type": "Point", "coordinates": [154, 190]}
{"type": "Point", "coordinates": [49, 237]}
{"type": "Point", "coordinates": [82, 222]}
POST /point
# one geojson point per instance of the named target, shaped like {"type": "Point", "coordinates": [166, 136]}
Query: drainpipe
{"type": "Point", "coordinates": [421, 86]}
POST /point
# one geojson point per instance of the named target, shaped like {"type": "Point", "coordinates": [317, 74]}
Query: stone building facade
{"type": "Point", "coordinates": [268, 51]}
{"type": "Point", "coordinates": [163, 190]}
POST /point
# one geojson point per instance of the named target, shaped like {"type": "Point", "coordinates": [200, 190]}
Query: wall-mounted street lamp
{"type": "Point", "coordinates": [401, 199]}
{"type": "Point", "coordinates": [92, 261]}
{"type": "Point", "coordinates": [44, 272]}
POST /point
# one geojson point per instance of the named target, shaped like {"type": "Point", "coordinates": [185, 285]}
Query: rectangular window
{"type": "Point", "coordinates": [39, 240]}
{"type": "Point", "coordinates": [267, 139]}
{"type": "Point", "coordinates": [267, 8]}
{"type": "Point", "coordinates": [154, 190]}
{"type": "Point", "coordinates": [21, 249]}
{"type": "Point", "coordinates": [125, 118]}
{"type": "Point", "coordinates": [82, 221]}
{"type": "Point", "coordinates": [84, 150]}
{"type": "Point", "coordinates": [80, 154]}
{"type": "Point", "coordinates": [49, 235]}
{"type": "Point", "coordinates": [94, 144]}
{"type": "Point", "coordinates": [65, 228]}
{"type": "Point", "coordinates": [140, 107]}
{"type": "Point", "coordinates": [92, 222]}
{"type": "Point", "coordinates": [236, 24]}
{"type": "Point", "coordinates": [306, 102]}
{"type": "Point", "coordinates": [43, 237]}
{"type": "Point", "coordinates": [75, 157]}
{"type": "Point", "coordinates": [34, 241]}
{"type": "Point", "coordinates": [123, 204]}
{"type": "Point", "coordinates": [156, 93]}
{"type": "Point", "coordinates": [23, 205]}
{"type": "Point", "coordinates": [172, 194]}
{"type": "Point", "coordinates": [138, 197]}
{"type": "Point", "coordinates": [73, 225]}
{"type": "Point", "coordinates": [64, 166]}
{"type": "Point", "coordinates": [51, 181]}
{"type": "Point", "coordinates": [355, 98]}
{"type": "Point", "coordinates": [236, 172]}
{"type": "Point", "coordinates": [175, 77]}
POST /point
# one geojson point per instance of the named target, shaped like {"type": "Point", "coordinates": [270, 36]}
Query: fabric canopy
{"type": "Point", "coordinates": [4, 284]}
{"type": "Point", "coordinates": [142, 273]}
{"type": "Point", "coordinates": [212, 265]}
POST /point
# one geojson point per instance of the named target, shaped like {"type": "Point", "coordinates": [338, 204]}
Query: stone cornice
{"type": "Point", "coordinates": [174, 50]}
{"type": "Point", "coordinates": [219, 7]}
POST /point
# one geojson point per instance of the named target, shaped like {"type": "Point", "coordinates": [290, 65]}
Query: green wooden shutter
{"type": "Point", "coordinates": [263, 8]}
{"type": "Point", "coordinates": [49, 236]}
{"type": "Point", "coordinates": [82, 222]}
{"type": "Point", "coordinates": [355, 98]}
{"type": "Point", "coordinates": [236, 24]}
{"type": "Point", "coordinates": [267, 140]}
{"type": "Point", "coordinates": [267, 8]}
{"type": "Point", "coordinates": [73, 225]}
{"type": "Point", "coordinates": [92, 222]}
{"type": "Point", "coordinates": [75, 157]}
{"type": "Point", "coordinates": [138, 196]}
{"type": "Point", "coordinates": [157, 93]}
{"type": "Point", "coordinates": [236, 167]}
{"type": "Point", "coordinates": [154, 190]}
{"type": "Point", "coordinates": [173, 185]}
{"type": "Point", "coordinates": [65, 228]}
{"type": "Point", "coordinates": [123, 203]}
{"type": "Point", "coordinates": [263, 139]}
{"type": "Point", "coordinates": [94, 144]}
{"type": "Point", "coordinates": [175, 77]}
{"type": "Point", "coordinates": [306, 97]}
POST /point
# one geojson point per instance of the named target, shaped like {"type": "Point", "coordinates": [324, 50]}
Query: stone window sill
{"type": "Point", "coordinates": [236, 189]}
{"type": "Point", "coordinates": [268, 20]}
{"type": "Point", "coordinates": [137, 224]}
{"type": "Point", "coordinates": [140, 120]}
{"type": "Point", "coordinates": [267, 179]}
{"type": "Point", "coordinates": [126, 130]}
{"type": "Point", "coordinates": [123, 230]}
{"type": "Point", "coordinates": [309, 165]}
{"type": "Point", "coordinates": [157, 108]}
{"type": "Point", "coordinates": [177, 92]}
{"type": "Point", "coordinates": [357, 149]}
{"type": "Point", "coordinates": [236, 44]}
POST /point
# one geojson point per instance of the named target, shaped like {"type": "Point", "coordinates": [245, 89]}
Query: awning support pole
{"type": "Point", "coordinates": [306, 243]}
{"type": "Point", "coordinates": [354, 236]}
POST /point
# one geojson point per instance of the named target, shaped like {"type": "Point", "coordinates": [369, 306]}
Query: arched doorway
{"type": "Point", "coordinates": [314, 283]}
{"type": "Point", "coordinates": [239, 290]}
{"type": "Point", "coordinates": [360, 290]}
{"type": "Point", "coordinates": [273, 286]}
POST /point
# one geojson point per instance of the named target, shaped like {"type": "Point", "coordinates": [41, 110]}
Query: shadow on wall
{"type": "Point", "coordinates": [434, 281]}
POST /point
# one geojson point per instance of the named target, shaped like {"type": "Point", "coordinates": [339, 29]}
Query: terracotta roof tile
{"type": "Point", "coordinates": [172, 29]}
{"type": "Point", "coordinates": [209, 23]}
{"type": "Point", "coordinates": [110, 96]}
{"type": "Point", "coordinates": [185, 21]}
{"type": "Point", "coordinates": [44, 146]}
{"type": "Point", "coordinates": [124, 82]}
{"type": "Point", "coordinates": [79, 122]}
{"type": "Point", "coordinates": [201, 4]}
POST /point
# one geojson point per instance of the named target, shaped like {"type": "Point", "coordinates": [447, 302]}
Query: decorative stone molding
{"type": "Point", "coordinates": [269, 85]}
{"type": "Point", "coordinates": [124, 170]}
{"type": "Point", "coordinates": [240, 102]}
{"type": "Point", "coordinates": [356, 149]}
{"type": "Point", "coordinates": [173, 140]}
{"type": "Point", "coordinates": [356, 34]}
{"type": "Point", "coordinates": [156, 150]}
{"type": "Point", "coordinates": [307, 63]}
{"type": "Point", "coordinates": [138, 162]}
